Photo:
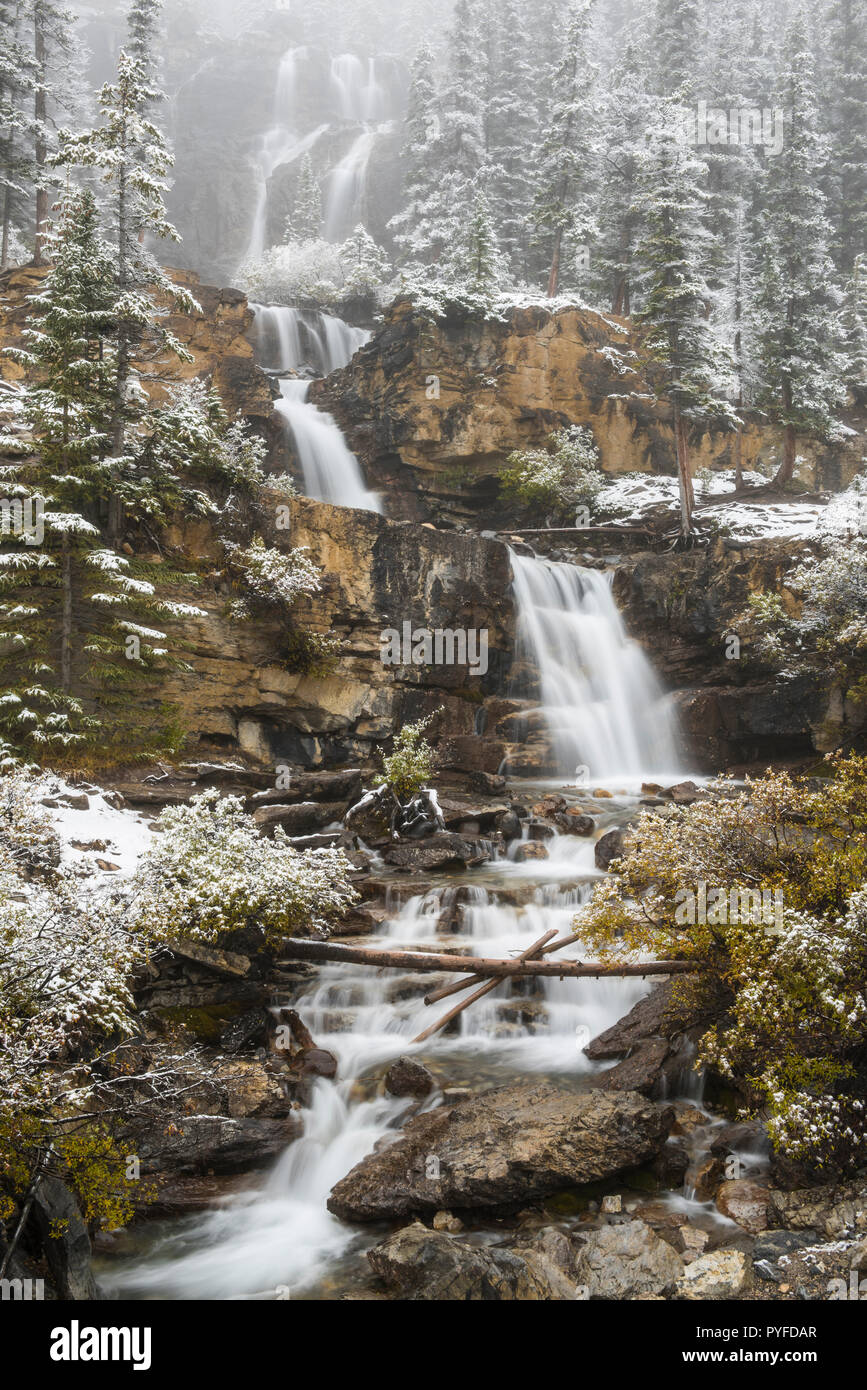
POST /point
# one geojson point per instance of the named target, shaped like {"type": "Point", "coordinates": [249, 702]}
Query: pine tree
{"type": "Point", "coordinates": [460, 148]}
{"type": "Point", "coordinates": [416, 230]}
{"type": "Point", "coordinates": [797, 305]}
{"type": "Point", "coordinates": [677, 44]}
{"type": "Point", "coordinates": [845, 102]}
{"type": "Point", "coordinates": [68, 605]}
{"type": "Point", "coordinates": [512, 134]}
{"type": "Point", "coordinates": [366, 267]}
{"type": "Point", "coordinates": [132, 153]}
{"type": "Point", "coordinates": [476, 269]}
{"type": "Point", "coordinates": [677, 335]}
{"type": "Point", "coordinates": [142, 23]}
{"type": "Point", "coordinates": [853, 324]}
{"type": "Point", "coordinates": [305, 221]}
{"type": "Point", "coordinates": [18, 79]}
{"type": "Point", "coordinates": [565, 187]}
{"type": "Point", "coordinates": [626, 116]}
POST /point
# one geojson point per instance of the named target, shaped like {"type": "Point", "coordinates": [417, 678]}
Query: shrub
{"type": "Point", "coordinates": [557, 479]}
{"type": "Point", "coordinates": [411, 764]}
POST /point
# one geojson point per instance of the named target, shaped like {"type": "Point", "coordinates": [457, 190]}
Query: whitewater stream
{"type": "Point", "coordinates": [278, 1240]}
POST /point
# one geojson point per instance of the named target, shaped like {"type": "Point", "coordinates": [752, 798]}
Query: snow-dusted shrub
{"type": "Point", "coordinates": [791, 991]}
{"type": "Point", "coordinates": [319, 271]}
{"type": "Point", "coordinates": [558, 479]}
{"type": "Point", "coordinates": [275, 576]}
{"type": "Point", "coordinates": [210, 872]}
{"type": "Point", "coordinates": [832, 625]}
{"type": "Point", "coordinates": [411, 764]}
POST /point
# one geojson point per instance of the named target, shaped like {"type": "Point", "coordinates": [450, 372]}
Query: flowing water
{"type": "Point", "coordinates": [289, 339]}
{"type": "Point", "coordinates": [280, 1240]}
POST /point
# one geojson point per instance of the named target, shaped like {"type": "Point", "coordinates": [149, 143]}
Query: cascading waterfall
{"type": "Point", "coordinates": [289, 339]}
{"type": "Point", "coordinates": [331, 472]}
{"type": "Point", "coordinates": [601, 701]}
{"type": "Point", "coordinates": [283, 1236]}
{"type": "Point", "coordinates": [346, 185]}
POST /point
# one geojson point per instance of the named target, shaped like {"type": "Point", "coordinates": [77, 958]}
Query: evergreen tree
{"type": "Point", "coordinates": [366, 267]}
{"type": "Point", "coordinates": [566, 173]}
{"type": "Point", "coordinates": [18, 77]}
{"type": "Point", "coordinates": [797, 305]}
{"type": "Point", "coordinates": [677, 337]}
{"type": "Point", "coordinates": [305, 221]}
{"type": "Point", "coordinates": [853, 324]}
{"type": "Point", "coordinates": [626, 116]}
{"type": "Point", "coordinates": [72, 605]}
{"type": "Point", "coordinates": [134, 159]}
{"type": "Point", "coordinates": [417, 232]}
{"type": "Point", "coordinates": [513, 134]}
{"type": "Point", "coordinates": [476, 269]}
{"type": "Point", "coordinates": [461, 153]}
{"type": "Point", "coordinates": [142, 23]}
{"type": "Point", "coordinates": [845, 101]}
{"type": "Point", "coordinates": [677, 43]}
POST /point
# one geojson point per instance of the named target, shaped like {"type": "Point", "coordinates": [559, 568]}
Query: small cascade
{"type": "Point", "coordinates": [358, 94]}
{"type": "Point", "coordinates": [331, 472]}
{"type": "Point", "coordinates": [346, 185]}
{"type": "Point", "coordinates": [289, 339]}
{"type": "Point", "coordinates": [600, 699]}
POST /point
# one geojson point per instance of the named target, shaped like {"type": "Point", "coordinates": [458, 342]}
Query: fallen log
{"type": "Point", "coordinates": [479, 993]}
{"type": "Point", "coordinates": [446, 990]}
{"type": "Point", "coordinates": [425, 962]}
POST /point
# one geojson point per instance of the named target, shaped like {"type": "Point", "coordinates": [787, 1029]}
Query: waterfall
{"type": "Point", "coordinates": [358, 94]}
{"type": "Point", "coordinates": [279, 147]}
{"type": "Point", "coordinates": [346, 185]}
{"type": "Point", "coordinates": [283, 1235]}
{"type": "Point", "coordinates": [331, 472]}
{"type": "Point", "coordinates": [289, 339]}
{"type": "Point", "coordinates": [601, 701]}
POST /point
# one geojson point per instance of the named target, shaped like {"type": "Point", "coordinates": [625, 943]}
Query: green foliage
{"type": "Point", "coordinates": [411, 765]}
{"type": "Point", "coordinates": [794, 989]}
{"type": "Point", "coordinates": [558, 479]}
{"type": "Point", "coordinates": [830, 632]}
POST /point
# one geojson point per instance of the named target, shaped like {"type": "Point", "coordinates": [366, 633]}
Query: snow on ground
{"type": "Point", "coordinates": [634, 496]}
{"type": "Point", "coordinates": [96, 834]}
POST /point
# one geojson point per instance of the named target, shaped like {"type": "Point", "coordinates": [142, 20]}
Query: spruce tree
{"type": "Point", "coordinates": [625, 118]}
{"type": "Point", "coordinates": [18, 80]}
{"type": "Point", "coordinates": [476, 269]}
{"type": "Point", "coordinates": [512, 134]}
{"type": "Point", "coordinates": [677, 335]}
{"type": "Point", "coordinates": [305, 221]}
{"type": "Point", "coordinates": [566, 173]}
{"type": "Point", "coordinates": [416, 229]}
{"type": "Point", "coordinates": [677, 44]}
{"type": "Point", "coordinates": [134, 159]}
{"type": "Point", "coordinates": [845, 102]}
{"type": "Point", "coordinates": [797, 305]}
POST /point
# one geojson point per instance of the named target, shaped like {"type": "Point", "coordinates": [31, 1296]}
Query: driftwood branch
{"type": "Point", "coordinates": [426, 962]}
{"type": "Point", "coordinates": [446, 990]}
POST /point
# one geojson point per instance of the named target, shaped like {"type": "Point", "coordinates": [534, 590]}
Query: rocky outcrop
{"type": "Point", "coordinates": [503, 1148]}
{"type": "Point", "coordinates": [626, 1260]}
{"type": "Point", "coordinates": [422, 1265]}
{"type": "Point", "coordinates": [434, 409]}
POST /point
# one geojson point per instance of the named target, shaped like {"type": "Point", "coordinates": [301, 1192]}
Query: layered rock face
{"type": "Point", "coordinates": [434, 409]}
{"type": "Point", "coordinates": [378, 575]}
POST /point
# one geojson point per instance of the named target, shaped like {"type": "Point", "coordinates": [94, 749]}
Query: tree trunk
{"type": "Point", "coordinates": [786, 470]}
{"type": "Point", "coordinates": [687, 496]}
{"type": "Point", "coordinates": [41, 148]}
{"type": "Point", "coordinates": [426, 962]}
{"type": "Point", "coordinates": [554, 277]}
{"type": "Point", "coordinates": [66, 617]}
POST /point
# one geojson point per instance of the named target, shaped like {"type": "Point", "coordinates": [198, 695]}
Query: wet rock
{"type": "Point", "coordinates": [640, 1071]}
{"type": "Point", "coordinates": [438, 852]}
{"type": "Point", "coordinates": [771, 1246]}
{"type": "Point", "coordinates": [509, 826]}
{"type": "Point", "coordinates": [683, 794]}
{"type": "Point", "coordinates": [303, 819]}
{"type": "Point", "coordinates": [530, 849]}
{"type": "Point", "coordinates": [430, 1266]}
{"type": "Point", "coordinates": [745, 1201]}
{"type": "Point", "coordinates": [245, 1030]}
{"type": "Point", "coordinates": [221, 962]}
{"type": "Point", "coordinates": [252, 1092]}
{"type": "Point", "coordinates": [539, 830]}
{"type": "Point", "coordinates": [608, 848]}
{"type": "Point", "coordinates": [575, 822]}
{"type": "Point", "coordinates": [705, 1177]}
{"type": "Point", "coordinates": [722, 1274]}
{"type": "Point", "coordinates": [747, 1137]}
{"type": "Point", "coordinates": [205, 1144]}
{"type": "Point", "coordinates": [65, 1240]}
{"type": "Point", "coordinates": [448, 1222]}
{"type": "Point", "coordinates": [688, 1118]}
{"type": "Point", "coordinates": [653, 1016]}
{"type": "Point", "coordinates": [406, 1077]}
{"type": "Point", "coordinates": [504, 1148]}
{"type": "Point", "coordinates": [626, 1260]}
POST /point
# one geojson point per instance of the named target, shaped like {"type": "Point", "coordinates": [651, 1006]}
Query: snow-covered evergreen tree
{"type": "Point", "coordinates": [678, 336]}
{"type": "Point", "coordinates": [476, 271]}
{"type": "Point", "coordinates": [366, 267]}
{"type": "Point", "coordinates": [134, 159]}
{"type": "Point", "coordinates": [795, 314]}
{"type": "Point", "coordinates": [626, 115]}
{"type": "Point", "coordinates": [512, 134]}
{"type": "Point", "coordinates": [416, 228]}
{"type": "Point", "coordinates": [304, 223]}
{"type": "Point", "coordinates": [17, 86]}
{"type": "Point", "coordinates": [845, 105]}
{"type": "Point", "coordinates": [677, 43]}
{"type": "Point", "coordinates": [564, 212]}
{"type": "Point", "coordinates": [853, 325]}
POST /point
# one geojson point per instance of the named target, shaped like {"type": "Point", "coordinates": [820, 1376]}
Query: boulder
{"type": "Point", "coordinates": [574, 822]}
{"type": "Point", "coordinates": [648, 1019]}
{"type": "Point", "coordinates": [430, 1266]}
{"type": "Point", "coordinates": [504, 1148]}
{"type": "Point", "coordinates": [719, 1275]}
{"type": "Point", "coordinates": [438, 852]}
{"type": "Point", "coordinates": [625, 1260]}
{"type": "Point", "coordinates": [65, 1241]}
{"type": "Point", "coordinates": [530, 849]}
{"type": "Point", "coordinates": [252, 1092]}
{"type": "Point", "coordinates": [745, 1201]}
{"type": "Point", "coordinates": [640, 1071]}
{"type": "Point", "coordinates": [406, 1077]}
{"type": "Point", "coordinates": [608, 848]}
{"type": "Point", "coordinates": [204, 1144]}
{"type": "Point", "coordinates": [244, 1030]}
{"type": "Point", "coordinates": [303, 819]}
